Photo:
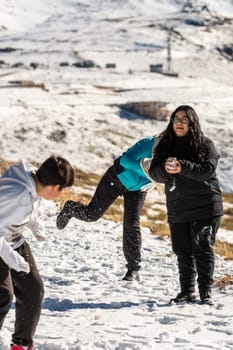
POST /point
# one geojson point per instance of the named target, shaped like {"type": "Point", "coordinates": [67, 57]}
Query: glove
{"type": "Point", "coordinates": [37, 229]}
{"type": "Point", "coordinates": [12, 258]}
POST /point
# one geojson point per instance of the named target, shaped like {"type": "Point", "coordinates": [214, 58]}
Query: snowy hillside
{"type": "Point", "coordinates": [76, 111]}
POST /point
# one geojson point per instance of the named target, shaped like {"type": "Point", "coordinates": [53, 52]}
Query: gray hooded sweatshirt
{"type": "Point", "coordinates": [18, 201]}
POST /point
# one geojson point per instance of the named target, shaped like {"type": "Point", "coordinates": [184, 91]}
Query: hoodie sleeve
{"type": "Point", "coordinates": [12, 258]}
{"type": "Point", "coordinates": [38, 229]}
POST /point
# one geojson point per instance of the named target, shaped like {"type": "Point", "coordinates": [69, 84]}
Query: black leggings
{"type": "Point", "coordinates": [193, 243]}
{"type": "Point", "coordinates": [28, 290]}
{"type": "Point", "coordinates": [108, 189]}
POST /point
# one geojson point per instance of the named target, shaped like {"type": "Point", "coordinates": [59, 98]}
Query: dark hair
{"type": "Point", "coordinates": [55, 171]}
{"type": "Point", "coordinates": [195, 135]}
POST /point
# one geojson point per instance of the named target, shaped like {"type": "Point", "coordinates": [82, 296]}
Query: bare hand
{"type": "Point", "coordinates": [172, 166]}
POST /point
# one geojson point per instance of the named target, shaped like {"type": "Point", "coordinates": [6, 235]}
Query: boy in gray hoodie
{"type": "Point", "coordinates": [21, 188]}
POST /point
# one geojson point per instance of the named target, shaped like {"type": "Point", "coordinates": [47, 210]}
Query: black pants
{"type": "Point", "coordinates": [108, 189]}
{"type": "Point", "coordinates": [193, 243]}
{"type": "Point", "coordinates": [28, 291]}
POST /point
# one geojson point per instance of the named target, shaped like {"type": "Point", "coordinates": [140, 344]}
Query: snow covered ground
{"type": "Point", "coordinates": [76, 112]}
{"type": "Point", "coordinates": [87, 306]}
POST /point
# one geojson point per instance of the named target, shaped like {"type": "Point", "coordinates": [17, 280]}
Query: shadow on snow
{"type": "Point", "coordinates": [54, 304]}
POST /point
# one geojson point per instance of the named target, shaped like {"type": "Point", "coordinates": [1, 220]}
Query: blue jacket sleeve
{"type": "Point", "coordinates": [132, 157]}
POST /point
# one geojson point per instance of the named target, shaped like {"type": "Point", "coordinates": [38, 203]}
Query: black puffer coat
{"type": "Point", "coordinates": [197, 193]}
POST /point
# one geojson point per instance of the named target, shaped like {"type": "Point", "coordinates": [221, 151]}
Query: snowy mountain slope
{"type": "Point", "coordinates": [78, 111]}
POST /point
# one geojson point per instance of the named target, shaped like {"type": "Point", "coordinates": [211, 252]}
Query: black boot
{"type": "Point", "coordinates": [206, 298]}
{"type": "Point", "coordinates": [183, 297]}
{"type": "Point", "coordinates": [67, 213]}
{"type": "Point", "coordinates": [131, 276]}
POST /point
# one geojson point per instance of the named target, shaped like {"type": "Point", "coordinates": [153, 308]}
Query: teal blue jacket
{"type": "Point", "coordinates": [132, 175]}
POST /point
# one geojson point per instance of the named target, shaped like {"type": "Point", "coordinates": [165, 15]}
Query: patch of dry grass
{"type": "Point", "coordinates": [4, 165]}
{"type": "Point", "coordinates": [228, 197]}
{"type": "Point", "coordinates": [227, 222]}
{"type": "Point", "coordinates": [225, 249]}
{"type": "Point", "coordinates": [82, 179]}
{"type": "Point", "coordinates": [158, 228]}
{"type": "Point", "coordinates": [224, 281]}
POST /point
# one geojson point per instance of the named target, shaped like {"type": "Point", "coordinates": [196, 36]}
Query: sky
{"type": "Point", "coordinates": [77, 114]}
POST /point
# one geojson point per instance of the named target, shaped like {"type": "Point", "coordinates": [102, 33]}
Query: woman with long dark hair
{"type": "Point", "coordinates": [185, 161]}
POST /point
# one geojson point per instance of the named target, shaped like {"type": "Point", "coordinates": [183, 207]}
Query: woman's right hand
{"type": "Point", "coordinates": [172, 166]}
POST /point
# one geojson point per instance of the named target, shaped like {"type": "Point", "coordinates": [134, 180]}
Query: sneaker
{"type": "Point", "coordinates": [183, 297]}
{"type": "Point", "coordinates": [21, 347]}
{"type": "Point", "coordinates": [206, 298]}
{"type": "Point", "coordinates": [65, 215]}
{"type": "Point", "coordinates": [131, 276]}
